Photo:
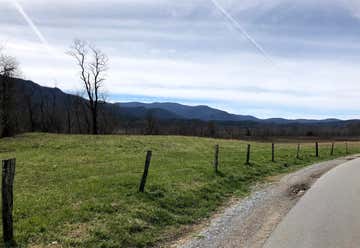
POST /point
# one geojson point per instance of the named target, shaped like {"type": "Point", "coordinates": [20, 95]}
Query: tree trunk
{"type": "Point", "coordinates": [6, 108]}
{"type": "Point", "coordinates": [95, 124]}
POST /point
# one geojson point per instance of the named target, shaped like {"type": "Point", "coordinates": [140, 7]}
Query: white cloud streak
{"type": "Point", "coordinates": [32, 25]}
{"type": "Point", "coordinates": [240, 28]}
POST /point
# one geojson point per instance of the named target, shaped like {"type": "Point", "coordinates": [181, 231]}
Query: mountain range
{"type": "Point", "coordinates": [161, 111]}
{"type": "Point", "coordinates": [169, 110]}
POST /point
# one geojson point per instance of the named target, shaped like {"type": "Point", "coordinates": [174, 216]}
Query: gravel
{"type": "Point", "coordinates": [250, 221]}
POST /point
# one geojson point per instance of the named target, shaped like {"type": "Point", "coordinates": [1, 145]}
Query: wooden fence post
{"type": "Point", "coordinates": [8, 174]}
{"type": "Point", "coordinates": [273, 152]}
{"type": "Point", "coordinates": [317, 149]}
{"type": "Point", "coordinates": [248, 154]}
{"type": "Point", "coordinates": [146, 171]}
{"type": "Point", "coordinates": [347, 148]}
{"type": "Point", "coordinates": [298, 152]}
{"type": "Point", "coordinates": [216, 158]}
{"type": "Point", "coordinates": [332, 149]}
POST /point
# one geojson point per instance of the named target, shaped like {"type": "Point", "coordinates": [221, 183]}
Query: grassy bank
{"type": "Point", "coordinates": [81, 191]}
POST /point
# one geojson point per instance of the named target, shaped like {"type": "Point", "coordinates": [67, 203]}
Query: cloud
{"type": "Point", "coordinates": [185, 50]}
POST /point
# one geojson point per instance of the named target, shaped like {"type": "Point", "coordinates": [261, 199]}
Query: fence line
{"type": "Point", "coordinates": [146, 172]}
{"type": "Point", "coordinates": [248, 154]}
{"type": "Point", "coordinates": [298, 152]}
{"type": "Point", "coordinates": [332, 149]}
{"type": "Point", "coordinates": [216, 159]}
{"type": "Point", "coordinates": [8, 174]}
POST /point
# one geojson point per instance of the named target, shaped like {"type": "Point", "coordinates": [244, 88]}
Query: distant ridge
{"type": "Point", "coordinates": [200, 112]}
{"type": "Point", "coordinates": [206, 113]}
{"type": "Point", "coordinates": [163, 110]}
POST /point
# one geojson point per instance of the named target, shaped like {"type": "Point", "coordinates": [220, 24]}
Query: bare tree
{"type": "Point", "coordinates": [93, 64]}
{"type": "Point", "coordinates": [9, 68]}
{"type": "Point", "coordinates": [29, 105]}
{"type": "Point", "coordinates": [151, 123]}
{"type": "Point", "coordinates": [69, 103]}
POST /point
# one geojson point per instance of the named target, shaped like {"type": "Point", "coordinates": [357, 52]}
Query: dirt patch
{"type": "Point", "coordinates": [79, 231]}
{"type": "Point", "coordinates": [54, 244]}
{"type": "Point", "coordinates": [75, 232]}
{"type": "Point", "coordinates": [249, 222]}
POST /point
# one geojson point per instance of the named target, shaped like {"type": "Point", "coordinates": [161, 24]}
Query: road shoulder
{"type": "Point", "coordinates": [250, 221]}
{"type": "Point", "coordinates": [327, 216]}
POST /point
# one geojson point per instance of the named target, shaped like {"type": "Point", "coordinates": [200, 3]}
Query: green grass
{"type": "Point", "coordinates": [81, 191]}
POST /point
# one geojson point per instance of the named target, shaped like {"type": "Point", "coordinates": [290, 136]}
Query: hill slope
{"type": "Point", "coordinates": [162, 111]}
{"type": "Point", "coordinates": [206, 113]}
{"type": "Point", "coordinates": [43, 109]}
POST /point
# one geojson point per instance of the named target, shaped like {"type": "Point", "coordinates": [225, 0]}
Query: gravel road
{"type": "Point", "coordinates": [250, 221]}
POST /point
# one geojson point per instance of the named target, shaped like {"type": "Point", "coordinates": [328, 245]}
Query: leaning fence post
{"type": "Point", "coordinates": [317, 149]}
{"type": "Point", "coordinates": [8, 174]}
{"type": "Point", "coordinates": [216, 158]}
{"type": "Point", "coordinates": [332, 149]}
{"type": "Point", "coordinates": [248, 154]}
{"type": "Point", "coordinates": [273, 152]}
{"type": "Point", "coordinates": [146, 171]}
{"type": "Point", "coordinates": [298, 152]}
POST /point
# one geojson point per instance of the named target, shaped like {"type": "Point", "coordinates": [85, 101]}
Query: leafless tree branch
{"type": "Point", "coordinates": [93, 64]}
{"type": "Point", "coordinates": [9, 68]}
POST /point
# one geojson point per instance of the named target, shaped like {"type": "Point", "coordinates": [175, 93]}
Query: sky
{"type": "Point", "coordinates": [266, 58]}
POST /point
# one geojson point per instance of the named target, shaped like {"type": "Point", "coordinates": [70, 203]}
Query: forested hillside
{"type": "Point", "coordinates": [42, 109]}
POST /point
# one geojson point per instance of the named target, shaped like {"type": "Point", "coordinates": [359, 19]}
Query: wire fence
{"type": "Point", "coordinates": [218, 157]}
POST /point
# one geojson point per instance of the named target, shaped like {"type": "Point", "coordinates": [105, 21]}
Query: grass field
{"type": "Point", "coordinates": [81, 191]}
